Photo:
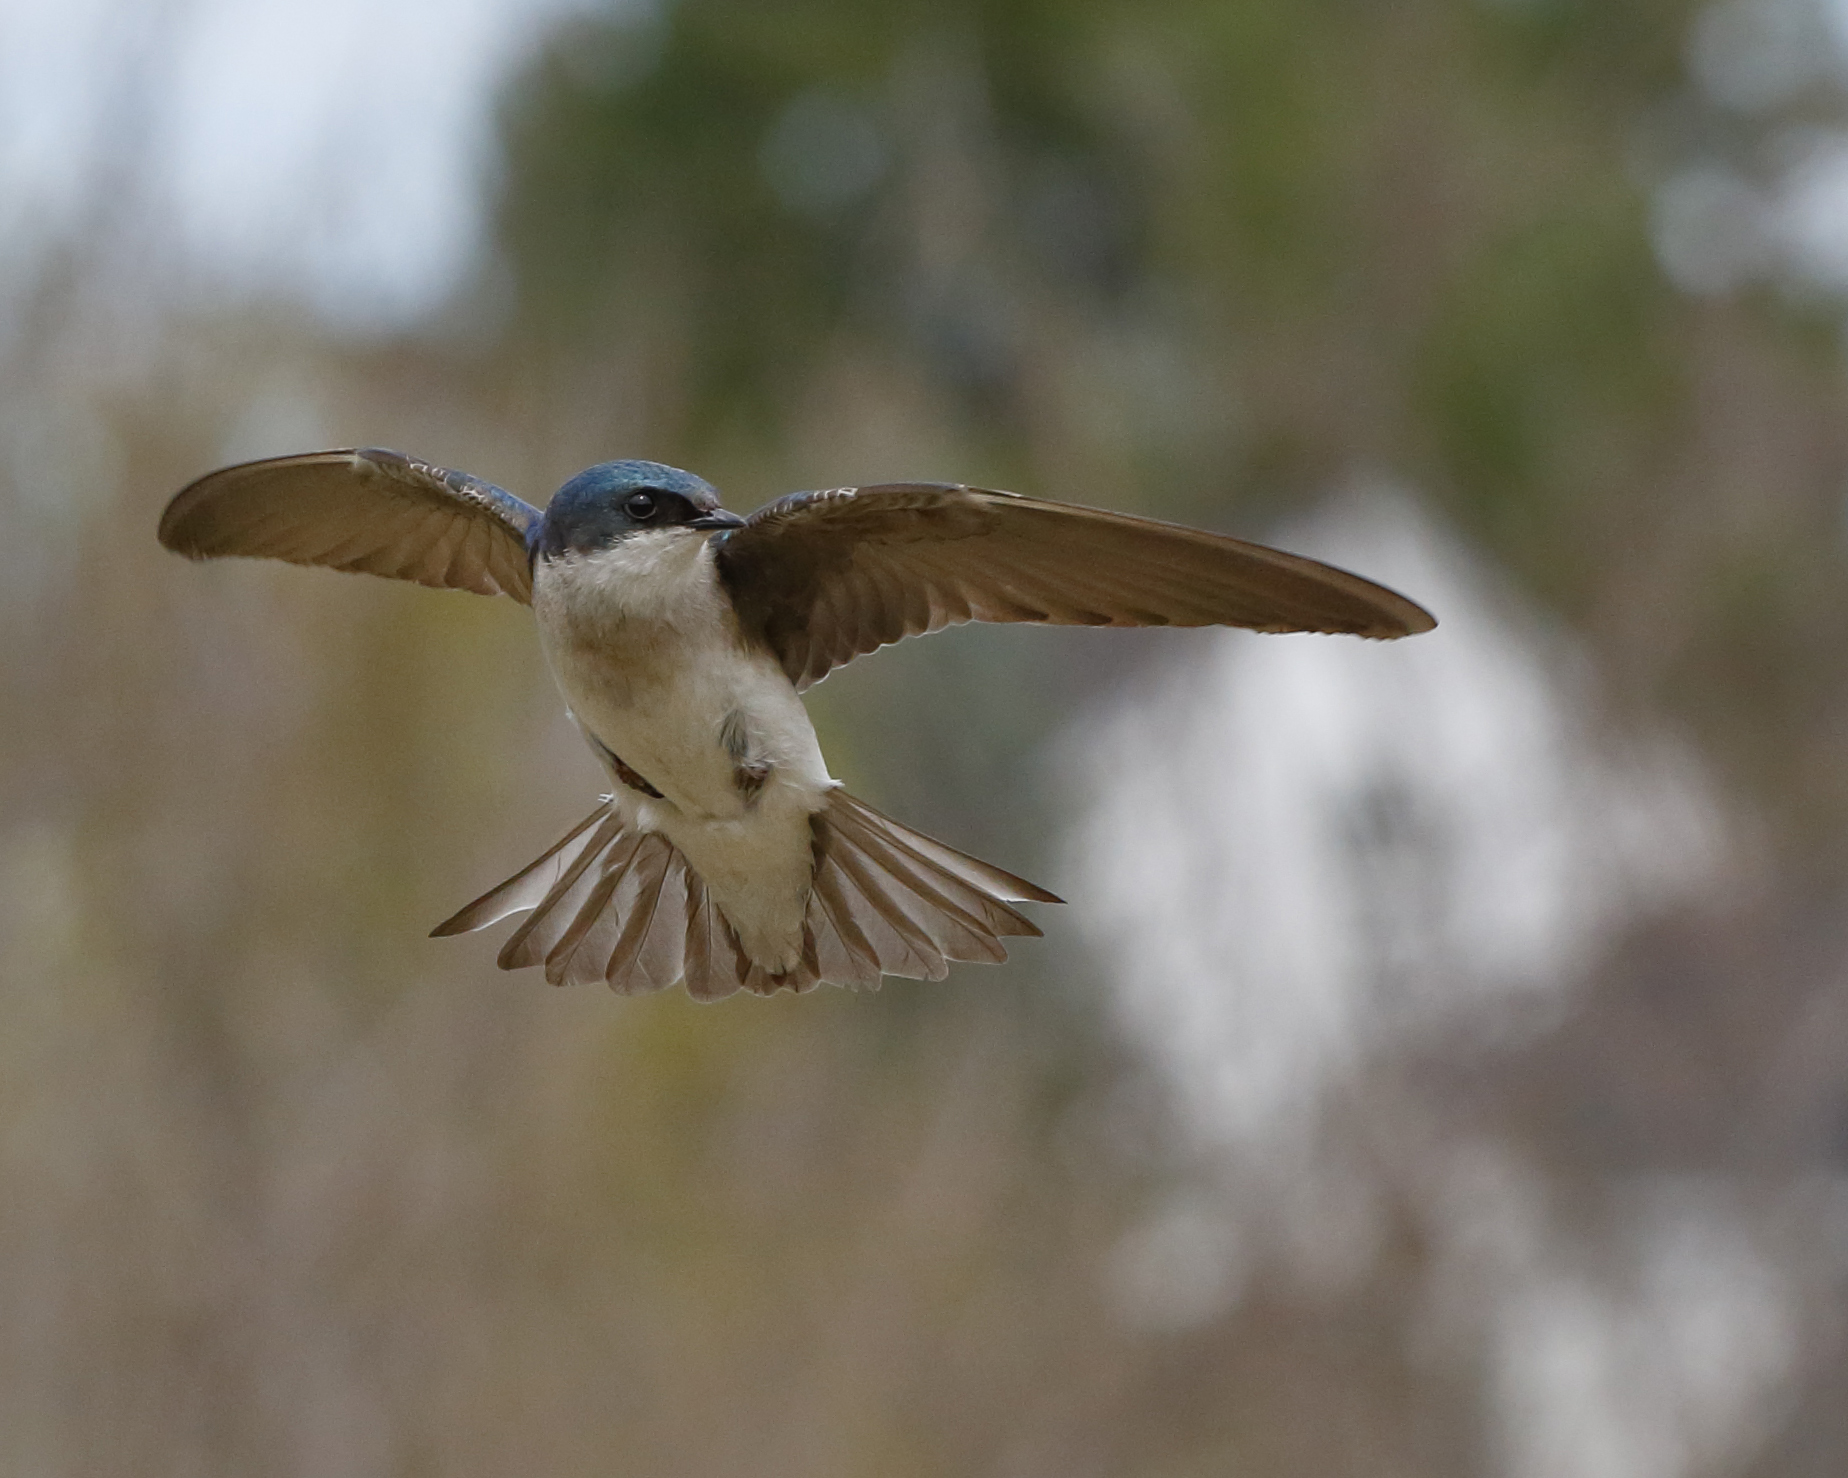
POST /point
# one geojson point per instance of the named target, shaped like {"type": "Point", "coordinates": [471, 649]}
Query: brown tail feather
{"type": "Point", "coordinates": [842, 953]}
{"type": "Point", "coordinates": [647, 955]}
{"type": "Point", "coordinates": [715, 966]}
{"type": "Point", "coordinates": [958, 919]}
{"type": "Point", "coordinates": [526, 887]}
{"type": "Point", "coordinates": [551, 918]}
{"type": "Point", "coordinates": [562, 958]}
{"type": "Point", "coordinates": [878, 907]}
{"type": "Point", "coordinates": [846, 809]}
{"type": "Point", "coordinates": [614, 904]}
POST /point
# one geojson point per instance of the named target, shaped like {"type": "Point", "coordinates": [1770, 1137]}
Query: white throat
{"type": "Point", "coordinates": [660, 575]}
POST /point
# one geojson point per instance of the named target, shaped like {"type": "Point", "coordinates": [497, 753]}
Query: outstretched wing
{"type": "Point", "coordinates": [823, 577]}
{"type": "Point", "coordinates": [369, 510]}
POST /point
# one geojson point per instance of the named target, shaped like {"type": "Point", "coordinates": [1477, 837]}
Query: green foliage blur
{"type": "Point", "coordinates": [1206, 260]}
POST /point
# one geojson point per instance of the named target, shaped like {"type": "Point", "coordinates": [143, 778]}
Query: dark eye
{"type": "Point", "coordinates": [639, 506]}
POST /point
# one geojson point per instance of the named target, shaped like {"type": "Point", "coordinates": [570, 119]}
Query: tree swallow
{"type": "Point", "coordinates": [681, 635]}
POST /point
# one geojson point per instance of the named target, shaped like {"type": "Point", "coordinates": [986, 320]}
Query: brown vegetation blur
{"type": "Point", "coordinates": [286, 1187]}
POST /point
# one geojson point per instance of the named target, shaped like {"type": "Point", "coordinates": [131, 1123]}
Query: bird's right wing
{"type": "Point", "coordinates": [823, 577]}
{"type": "Point", "coordinates": [368, 510]}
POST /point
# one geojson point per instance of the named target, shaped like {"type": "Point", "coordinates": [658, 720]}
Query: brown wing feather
{"type": "Point", "coordinates": [825, 577]}
{"type": "Point", "coordinates": [371, 511]}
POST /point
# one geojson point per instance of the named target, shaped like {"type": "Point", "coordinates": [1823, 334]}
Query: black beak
{"type": "Point", "coordinates": [719, 518]}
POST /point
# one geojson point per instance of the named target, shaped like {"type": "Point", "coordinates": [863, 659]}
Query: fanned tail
{"type": "Point", "coordinates": [614, 903]}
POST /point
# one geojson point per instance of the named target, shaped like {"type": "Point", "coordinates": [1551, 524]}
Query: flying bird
{"type": "Point", "coordinates": [681, 635]}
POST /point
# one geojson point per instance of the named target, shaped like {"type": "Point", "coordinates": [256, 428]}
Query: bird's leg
{"type": "Point", "coordinates": [750, 772]}
{"type": "Point", "coordinates": [622, 771]}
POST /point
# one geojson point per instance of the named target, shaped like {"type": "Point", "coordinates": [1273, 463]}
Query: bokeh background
{"type": "Point", "coordinates": [1441, 1066]}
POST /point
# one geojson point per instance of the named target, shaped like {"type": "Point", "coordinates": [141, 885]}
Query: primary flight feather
{"type": "Point", "coordinates": [680, 634]}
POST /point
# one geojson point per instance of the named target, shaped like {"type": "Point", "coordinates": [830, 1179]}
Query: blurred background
{"type": "Point", "coordinates": [1441, 1066]}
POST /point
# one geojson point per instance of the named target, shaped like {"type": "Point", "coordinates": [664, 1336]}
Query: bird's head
{"type": "Point", "coordinates": [614, 500]}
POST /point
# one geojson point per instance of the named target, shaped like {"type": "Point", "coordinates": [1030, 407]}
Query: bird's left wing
{"type": "Point", "coordinates": [368, 510]}
{"type": "Point", "coordinates": [823, 577]}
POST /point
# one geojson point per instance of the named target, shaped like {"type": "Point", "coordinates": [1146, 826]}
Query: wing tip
{"type": "Point", "coordinates": [175, 531]}
{"type": "Point", "coordinates": [1412, 620]}
{"type": "Point", "coordinates": [221, 514]}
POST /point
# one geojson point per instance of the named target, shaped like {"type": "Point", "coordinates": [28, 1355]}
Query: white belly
{"type": "Point", "coordinates": [643, 644]}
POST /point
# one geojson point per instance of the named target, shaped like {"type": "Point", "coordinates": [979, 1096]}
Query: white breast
{"type": "Point", "coordinates": [644, 645]}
